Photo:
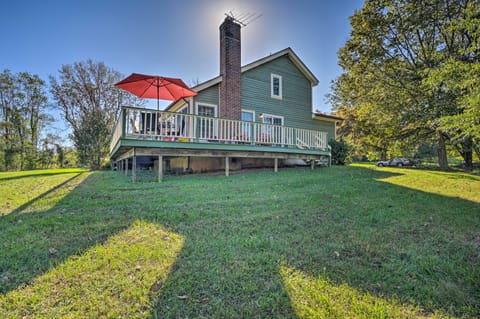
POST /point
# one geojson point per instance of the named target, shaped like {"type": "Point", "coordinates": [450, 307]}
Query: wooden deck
{"type": "Point", "coordinates": [146, 132]}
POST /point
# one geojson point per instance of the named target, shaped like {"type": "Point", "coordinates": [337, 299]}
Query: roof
{"type": "Point", "coordinates": [327, 117]}
{"type": "Point", "coordinates": [285, 52]}
{"type": "Point", "coordinates": [292, 56]}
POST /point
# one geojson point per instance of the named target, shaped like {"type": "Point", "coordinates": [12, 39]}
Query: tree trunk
{"type": "Point", "coordinates": [477, 150]}
{"type": "Point", "coordinates": [442, 152]}
{"type": "Point", "coordinates": [467, 154]}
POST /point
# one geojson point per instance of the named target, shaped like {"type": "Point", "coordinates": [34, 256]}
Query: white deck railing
{"type": "Point", "coordinates": [138, 123]}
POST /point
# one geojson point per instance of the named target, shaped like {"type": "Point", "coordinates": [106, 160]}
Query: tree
{"type": "Point", "coordinates": [341, 152]}
{"type": "Point", "coordinates": [23, 103]}
{"type": "Point", "coordinates": [394, 47]}
{"type": "Point", "coordinates": [459, 75]}
{"type": "Point", "coordinates": [90, 103]}
{"type": "Point", "coordinates": [60, 155]}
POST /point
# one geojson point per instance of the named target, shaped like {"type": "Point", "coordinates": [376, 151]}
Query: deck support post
{"type": "Point", "coordinates": [134, 167]}
{"type": "Point", "coordinates": [227, 166]}
{"type": "Point", "coordinates": [126, 167]}
{"type": "Point", "coordinates": [312, 164]}
{"type": "Point", "coordinates": [160, 168]}
{"type": "Point", "coordinates": [275, 164]}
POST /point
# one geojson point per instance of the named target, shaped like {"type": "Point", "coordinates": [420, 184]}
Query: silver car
{"type": "Point", "coordinates": [397, 162]}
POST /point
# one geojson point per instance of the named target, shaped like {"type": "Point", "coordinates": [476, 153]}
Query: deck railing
{"type": "Point", "coordinates": [136, 123]}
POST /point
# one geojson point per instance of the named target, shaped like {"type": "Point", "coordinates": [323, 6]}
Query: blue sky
{"type": "Point", "coordinates": [170, 38]}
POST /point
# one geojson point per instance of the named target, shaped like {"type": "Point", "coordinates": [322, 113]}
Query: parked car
{"type": "Point", "coordinates": [398, 162]}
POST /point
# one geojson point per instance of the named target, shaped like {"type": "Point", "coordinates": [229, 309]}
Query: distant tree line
{"type": "Point", "coordinates": [23, 102]}
{"type": "Point", "coordinates": [411, 78]}
{"type": "Point", "coordinates": [85, 95]}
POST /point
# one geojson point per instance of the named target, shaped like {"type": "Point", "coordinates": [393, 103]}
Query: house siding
{"type": "Point", "coordinates": [324, 126]}
{"type": "Point", "coordinates": [296, 103]}
{"type": "Point", "coordinates": [208, 96]}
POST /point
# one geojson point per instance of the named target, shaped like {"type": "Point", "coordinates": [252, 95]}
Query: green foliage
{"type": "Point", "coordinates": [341, 152]}
{"type": "Point", "coordinates": [23, 102]}
{"type": "Point", "coordinates": [342, 242]}
{"type": "Point", "coordinates": [90, 103]}
{"type": "Point", "coordinates": [410, 74]}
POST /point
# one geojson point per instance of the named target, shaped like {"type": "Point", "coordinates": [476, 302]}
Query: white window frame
{"type": "Point", "coordinates": [247, 129]}
{"type": "Point", "coordinates": [280, 86]}
{"type": "Point", "coordinates": [264, 115]}
{"type": "Point", "coordinates": [250, 111]}
{"type": "Point", "coordinates": [206, 104]}
{"type": "Point", "coordinates": [214, 122]}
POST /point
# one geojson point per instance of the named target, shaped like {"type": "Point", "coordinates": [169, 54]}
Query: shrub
{"type": "Point", "coordinates": [341, 152]}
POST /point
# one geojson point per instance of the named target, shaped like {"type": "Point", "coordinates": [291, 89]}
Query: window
{"type": "Point", "coordinates": [206, 110]}
{"type": "Point", "coordinates": [246, 129]}
{"type": "Point", "coordinates": [269, 133]}
{"type": "Point", "coordinates": [276, 86]}
{"type": "Point", "coordinates": [248, 116]}
{"type": "Point", "coordinates": [207, 126]}
{"type": "Point", "coordinates": [272, 119]}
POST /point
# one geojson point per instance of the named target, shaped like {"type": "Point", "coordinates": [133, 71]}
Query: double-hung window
{"type": "Point", "coordinates": [247, 128]}
{"type": "Point", "coordinates": [207, 124]}
{"type": "Point", "coordinates": [272, 133]}
{"type": "Point", "coordinates": [276, 86]}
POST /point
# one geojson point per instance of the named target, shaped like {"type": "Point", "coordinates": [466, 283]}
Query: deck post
{"type": "Point", "coordinates": [227, 166]}
{"type": "Point", "coordinates": [312, 164]}
{"type": "Point", "coordinates": [160, 168]}
{"type": "Point", "coordinates": [126, 167]}
{"type": "Point", "coordinates": [275, 164]}
{"type": "Point", "coordinates": [134, 167]}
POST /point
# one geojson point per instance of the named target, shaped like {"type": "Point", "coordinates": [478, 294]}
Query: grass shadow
{"type": "Point", "coordinates": [341, 223]}
{"type": "Point", "coordinates": [45, 194]}
{"type": "Point", "coordinates": [9, 176]}
{"type": "Point", "coordinates": [385, 240]}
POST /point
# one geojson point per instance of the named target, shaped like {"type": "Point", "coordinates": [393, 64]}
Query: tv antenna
{"type": "Point", "coordinates": [243, 19]}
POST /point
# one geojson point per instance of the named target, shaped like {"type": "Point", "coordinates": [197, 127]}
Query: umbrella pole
{"type": "Point", "coordinates": [158, 96]}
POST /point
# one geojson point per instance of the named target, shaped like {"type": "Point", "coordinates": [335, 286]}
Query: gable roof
{"type": "Point", "coordinates": [288, 52]}
{"type": "Point", "coordinates": [285, 52]}
{"type": "Point", "coordinates": [292, 56]}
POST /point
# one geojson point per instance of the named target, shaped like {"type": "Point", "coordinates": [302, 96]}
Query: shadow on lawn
{"type": "Point", "coordinates": [386, 240]}
{"type": "Point", "coordinates": [35, 174]}
{"type": "Point", "coordinates": [45, 194]}
{"type": "Point", "coordinates": [342, 224]}
{"type": "Point", "coordinates": [78, 221]}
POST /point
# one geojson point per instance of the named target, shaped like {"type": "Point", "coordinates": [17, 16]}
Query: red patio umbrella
{"type": "Point", "coordinates": [155, 87]}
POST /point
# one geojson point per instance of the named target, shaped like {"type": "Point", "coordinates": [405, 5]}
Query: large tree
{"type": "Point", "coordinates": [395, 48]}
{"type": "Point", "coordinates": [23, 104]}
{"type": "Point", "coordinates": [90, 103]}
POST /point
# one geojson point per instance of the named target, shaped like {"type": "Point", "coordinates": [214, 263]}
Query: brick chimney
{"type": "Point", "coordinates": [230, 70]}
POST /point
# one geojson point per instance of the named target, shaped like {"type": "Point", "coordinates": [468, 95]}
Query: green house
{"type": "Point", "coordinates": [256, 115]}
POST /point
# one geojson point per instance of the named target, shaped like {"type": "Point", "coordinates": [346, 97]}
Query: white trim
{"type": "Point", "coordinates": [292, 56]}
{"type": "Point", "coordinates": [206, 104]}
{"type": "Point", "coordinates": [288, 52]}
{"type": "Point", "coordinates": [207, 84]}
{"type": "Point", "coordinates": [280, 85]}
{"type": "Point", "coordinates": [272, 116]}
{"type": "Point", "coordinates": [250, 111]}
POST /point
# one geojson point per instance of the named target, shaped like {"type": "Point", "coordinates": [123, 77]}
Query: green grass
{"type": "Point", "coordinates": [340, 242]}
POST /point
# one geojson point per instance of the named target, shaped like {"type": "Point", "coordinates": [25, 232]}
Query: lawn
{"type": "Point", "coordinates": [340, 242]}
